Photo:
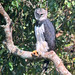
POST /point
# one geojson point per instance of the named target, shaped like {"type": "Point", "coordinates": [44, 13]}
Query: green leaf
{"type": "Point", "coordinates": [68, 66]}
{"type": "Point", "coordinates": [67, 45]}
{"type": "Point", "coordinates": [13, 3]}
{"type": "Point", "coordinates": [2, 46]}
{"type": "Point", "coordinates": [17, 4]}
{"type": "Point", "coordinates": [19, 0]}
{"type": "Point", "coordinates": [73, 3]}
{"type": "Point", "coordinates": [65, 2]}
{"type": "Point", "coordinates": [69, 5]}
{"type": "Point", "coordinates": [73, 59]}
{"type": "Point", "coordinates": [11, 66]}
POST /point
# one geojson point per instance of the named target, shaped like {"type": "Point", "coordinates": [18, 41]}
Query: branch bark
{"type": "Point", "coordinates": [28, 3]}
{"type": "Point", "coordinates": [26, 54]}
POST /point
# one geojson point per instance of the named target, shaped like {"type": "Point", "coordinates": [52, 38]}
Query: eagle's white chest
{"type": "Point", "coordinates": [39, 32]}
{"type": "Point", "coordinates": [41, 43]}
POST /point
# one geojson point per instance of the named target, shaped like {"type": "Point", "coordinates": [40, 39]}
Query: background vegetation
{"type": "Point", "coordinates": [60, 12]}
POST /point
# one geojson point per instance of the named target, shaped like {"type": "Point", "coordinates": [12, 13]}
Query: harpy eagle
{"type": "Point", "coordinates": [44, 31]}
{"type": "Point", "coordinates": [45, 34]}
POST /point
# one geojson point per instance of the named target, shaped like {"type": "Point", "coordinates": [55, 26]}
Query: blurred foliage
{"type": "Point", "coordinates": [62, 15]}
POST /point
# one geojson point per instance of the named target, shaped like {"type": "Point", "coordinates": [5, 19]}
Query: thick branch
{"type": "Point", "coordinates": [57, 61]}
{"type": "Point", "coordinates": [26, 54]}
{"type": "Point", "coordinates": [9, 42]}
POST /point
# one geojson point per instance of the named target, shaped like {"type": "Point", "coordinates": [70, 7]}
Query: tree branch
{"type": "Point", "coordinates": [26, 54]}
{"type": "Point", "coordinates": [28, 3]}
{"type": "Point", "coordinates": [9, 42]}
{"type": "Point", "coordinates": [70, 48]}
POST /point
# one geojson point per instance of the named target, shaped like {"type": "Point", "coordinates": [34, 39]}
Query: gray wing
{"type": "Point", "coordinates": [49, 34]}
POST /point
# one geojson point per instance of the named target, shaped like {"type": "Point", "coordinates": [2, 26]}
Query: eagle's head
{"type": "Point", "coordinates": [40, 14]}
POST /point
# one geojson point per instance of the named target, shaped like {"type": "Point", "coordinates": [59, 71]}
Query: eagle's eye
{"type": "Point", "coordinates": [41, 14]}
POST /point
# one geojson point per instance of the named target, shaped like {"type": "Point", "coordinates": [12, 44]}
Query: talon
{"type": "Point", "coordinates": [35, 53]}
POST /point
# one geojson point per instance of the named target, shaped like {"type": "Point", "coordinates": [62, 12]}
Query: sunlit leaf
{"type": "Point", "coordinates": [69, 5]}
{"type": "Point", "coordinates": [73, 3]}
{"type": "Point", "coordinates": [73, 59]}
{"type": "Point", "coordinates": [11, 66]}
{"type": "Point", "coordinates": [68, 66]}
